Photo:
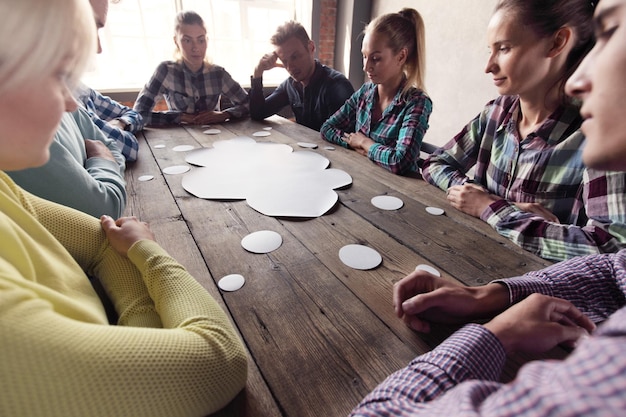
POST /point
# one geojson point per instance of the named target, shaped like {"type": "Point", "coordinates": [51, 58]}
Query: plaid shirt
{"type": "Point", "coordinates": [597, 223]}
{"type": "Point", "coordinates": [398, 134]}
{"type": "Point", "coordinates": [102, 109]}
{"type": "Point", "coordinates": [545, 167]}
{"type": "Point", "coordinates": [189, 92]}
{"type": "Point", "coordinates": [460, 376]}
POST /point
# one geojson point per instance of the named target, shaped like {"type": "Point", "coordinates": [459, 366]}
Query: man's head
{"type": "Point", "coordinates": [295, 50]}
{"type": "Point", "coordinates": [600, 81]}
{"type": "Point", "coordinates": [100, 10]}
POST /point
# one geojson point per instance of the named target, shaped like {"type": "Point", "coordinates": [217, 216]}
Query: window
{"type": "Point", "coordinates": [139, 34]}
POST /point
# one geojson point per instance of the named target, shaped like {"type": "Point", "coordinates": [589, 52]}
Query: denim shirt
{"type": "Point", "coordinates": [327, 91]}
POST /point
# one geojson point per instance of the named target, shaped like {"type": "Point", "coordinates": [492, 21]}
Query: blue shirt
{"type": "Point", "coordinates": [312, 105]}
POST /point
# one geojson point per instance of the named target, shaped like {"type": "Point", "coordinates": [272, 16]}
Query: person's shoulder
{"type": "Point", "coordinates": [504, 102]}
{"type": "Point", "coordinates": [333, 74]}
{"type": "Point", "coordinates": [165, 66]}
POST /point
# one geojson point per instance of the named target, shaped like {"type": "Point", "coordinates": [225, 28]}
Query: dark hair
{"type": "Point", "coordinates": [290, 30]}
{"type": "Point", "coordinates": [404, 29]}
{"type": "Point", "coordinates": [546, 17]}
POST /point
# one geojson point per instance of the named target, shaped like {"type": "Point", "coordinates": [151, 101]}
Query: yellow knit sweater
{"type": "Point", "coordinates": [173, 352]}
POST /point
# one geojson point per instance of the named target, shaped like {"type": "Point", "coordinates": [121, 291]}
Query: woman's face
{"type": "Point", "coordinates": [601, 83]}
{"type": "Point", "coordinates": [380, 64]}
{"type": "Point", "coordinates": [29, 117]}
{"type": "Point", "coordinates": [518, 57]}
{"type": "Point", "coordinates": [192, 42]}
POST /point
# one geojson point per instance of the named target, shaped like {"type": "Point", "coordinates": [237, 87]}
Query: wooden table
{"type": "Point", "coordinates": [320, 335]}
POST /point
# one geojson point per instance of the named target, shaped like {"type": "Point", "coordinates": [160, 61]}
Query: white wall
{"type": "Point", "coordinates": [456, 54]}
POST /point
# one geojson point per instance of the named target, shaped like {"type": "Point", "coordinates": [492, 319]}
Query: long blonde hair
{"type": "Point", "coordinates": [405, 29]}
{"type": "Point", "coordinates": [36, 36]}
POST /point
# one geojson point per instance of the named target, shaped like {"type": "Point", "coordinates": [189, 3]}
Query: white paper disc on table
{"type": "Point", "coordinates": [159, 146]}
{"type": "Point", "coordinates": [145, 178]}
{"type": "Point", "coordinates": [176, 169]}
{"type": "Point", "coordinates": [182, 148]}
{"type": "Point", "coordinates": [387, 202]}
{"type": "Point", "coordinates": [263, 241]}
{"type": "Point", "coordinates": [267, 128]}
{"type": "Point", "coordinates": [435, 211]}
{"type": "Point", "coordinates": [428, 268]}
{"type": "Point", "coordinates": [261, 133]}
{"type": "Point", "coordinates": [231, 282]}
{"type": "Point", "coordinates": [360, 257]}
{"type": "Point", "coordinates": [329, 148]}
{"type": "Point", "coordinates": [212, 132]}
{"type": "Point", "coordinates": [292, 199]}
{"type": "Point", "coordinates": [307, 145]}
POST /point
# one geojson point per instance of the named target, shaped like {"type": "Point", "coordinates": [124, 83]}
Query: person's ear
{"type": "Point", "coordinates": [402, 56]}
{"type": "Point", "coordinates": [560, 41]}
{"type": "Point", "coordinates": [311, 47]}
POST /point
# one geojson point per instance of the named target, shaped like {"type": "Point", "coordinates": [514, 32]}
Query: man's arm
{"type": "Point", "coordinates": [460, 376]}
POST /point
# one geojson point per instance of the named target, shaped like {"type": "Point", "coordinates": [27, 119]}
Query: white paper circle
{"type": "Point", "coordinates": [387, 202]}
{"type": "Point", "coordinates": [261, 133]}
{"type": "Point", "coordinates": [176, 169]}
{"type": "Point", "coordinates": [231, 282]}
{"type": "Point", "coordinates": [263, 241]}
{"type": "Point", "coordinates": [359, 257]}
{"type": "Point", "coordinates": [435, 211]}
{"type": "Point", "coordinates": [182, 148]}
{"type": "Point", "coordinates": [307, 145]}
{"type": "Point", "coordinates": [145, 178]}
{"type": "Point", "coordinates": [329, 148]}
{"type": "Point", "coordinates": [267, 128]}
{"type": "Point", "coordinates": [212, 132]}
{"type": "Point", "coordinates": [428, 268]}
{"type": "Point", "coordinates": [160, 146]}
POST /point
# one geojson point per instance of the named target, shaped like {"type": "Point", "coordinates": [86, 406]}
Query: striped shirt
{"type": "Point", "coordinates": [102, 109]}
{"type": "Point", "coordinates": [460, 376]}
{"type": "Point", "coordinates": [190, 92]}
{"type": "Point", "coordinates": [398, 134]}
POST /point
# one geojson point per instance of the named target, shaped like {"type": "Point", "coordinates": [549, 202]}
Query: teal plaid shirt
{"type": "Point", "coordinates": [398, 134]}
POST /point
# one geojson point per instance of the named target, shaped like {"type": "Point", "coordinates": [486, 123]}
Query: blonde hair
{"type": "Point", "coordinates": [405, 29]}
{"type": "Point", "coordinates": [37, 36]}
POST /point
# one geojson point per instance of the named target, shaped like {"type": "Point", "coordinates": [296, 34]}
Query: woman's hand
{"type": "Point", "coordinates": [125, 232]}
{"type": "Point", "coordinates": [359, 142]}
{"type": "Point", "coordinates": [539, 210]}
{"type": "Point", "coordinates": [471, 199]}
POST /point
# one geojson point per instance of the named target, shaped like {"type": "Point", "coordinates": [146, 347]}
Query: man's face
{"type": "Point", "coordinates": [600, 81]}
{"type": "Point", "coordinates": [100, 10]}
{"type": "Point", "coordinates": [298, 59]}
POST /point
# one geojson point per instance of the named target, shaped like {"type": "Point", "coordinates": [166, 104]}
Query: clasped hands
{"type": "Point", "coordinates": [358, 141]}
{"type": "Point", "coordinates": [125, 232]}
{"type": "Point", "coordinates": [534, 325]}
{"type": "Point", "coordinates": [205, 117]}
{"type": "Point", "coordinates": [473, 199]}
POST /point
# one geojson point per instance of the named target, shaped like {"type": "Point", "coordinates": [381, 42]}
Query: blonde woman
{"type": "Point", "coordinates": [173, 351]}
{"type": "Point", "coordinates": [191, 86]}
{"type": "Point", "coordinates": [386, 119]}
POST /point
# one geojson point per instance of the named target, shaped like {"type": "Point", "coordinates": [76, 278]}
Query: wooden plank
{"type": "Point", "coordinates": [153, 202]}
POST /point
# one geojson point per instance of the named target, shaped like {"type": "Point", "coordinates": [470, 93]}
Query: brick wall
{"type": "Point", "coordinates": [328, 19]}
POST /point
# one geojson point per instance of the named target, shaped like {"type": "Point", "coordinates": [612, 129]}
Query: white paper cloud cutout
{"type": "Point", "coordinates": [272, 178]}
